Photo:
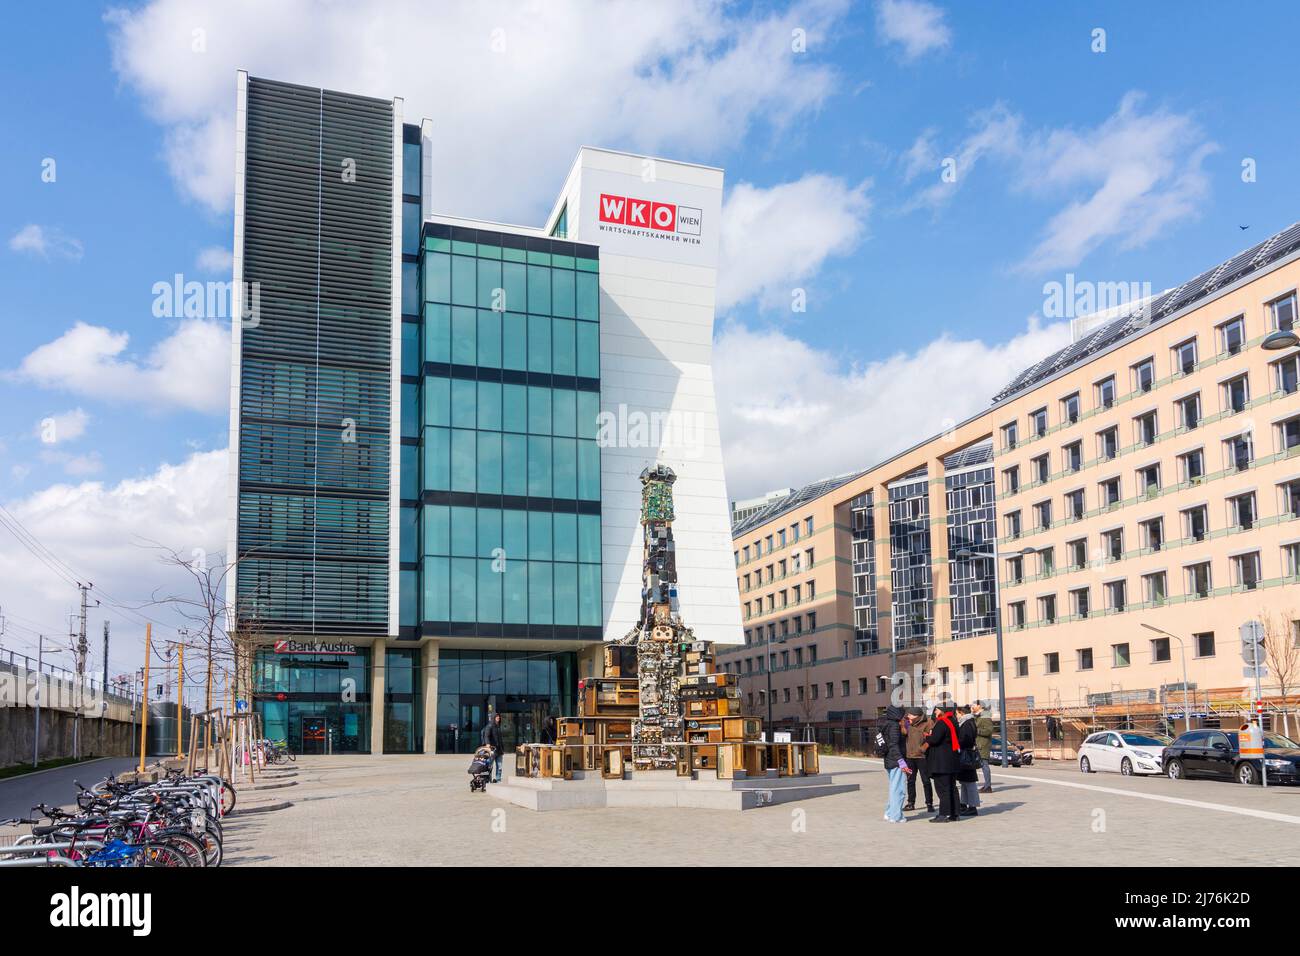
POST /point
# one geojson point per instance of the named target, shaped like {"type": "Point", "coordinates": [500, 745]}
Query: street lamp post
{"type": "Point", "coordinates": [966, 554]}
{"type": "Point", "coordinates": [1182, 652]}
{"type": "Point", "coordinates": [40, 665]}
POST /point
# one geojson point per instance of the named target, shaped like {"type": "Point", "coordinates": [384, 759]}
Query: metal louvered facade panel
{"type": "Point", "coordinates": [315, 363]}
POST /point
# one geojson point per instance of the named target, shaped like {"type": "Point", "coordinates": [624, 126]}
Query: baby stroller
{"type": "Point", "coordinates": [480, 769]}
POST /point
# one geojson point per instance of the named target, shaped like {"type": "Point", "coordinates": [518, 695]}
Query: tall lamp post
{"type": "Point", "coordinates": [1182, 652]}
{"type": "Point", "coordinates": [40, 663]}
{"type": "Point", "coordinates": [967, 554]}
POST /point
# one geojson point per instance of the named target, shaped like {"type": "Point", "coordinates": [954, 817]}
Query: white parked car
{"type": "Point", "coordinates": [1122, 751]}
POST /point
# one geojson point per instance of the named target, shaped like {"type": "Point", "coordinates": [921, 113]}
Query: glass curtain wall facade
{"type": "Point", "coordinates": [316, 703]}
{"type": "Point", "coordinates": [312, 522]}
{"type": "Point", "coordinates": [506, 413]}
{"type": "Point", "coordinates": [971, 525]}
{"type": "Point", "coordinates": [909, 548]}
{"type": "Point", "coordinates": [865, 629]}
{"type": "Point", "coordinates": [525, 687]}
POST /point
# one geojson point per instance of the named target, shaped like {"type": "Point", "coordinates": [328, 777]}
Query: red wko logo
{"type": "Point", "coordinates": [664, 217]}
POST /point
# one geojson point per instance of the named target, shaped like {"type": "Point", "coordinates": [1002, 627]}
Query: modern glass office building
{"type": "Point", "coordinates": [428, 524]}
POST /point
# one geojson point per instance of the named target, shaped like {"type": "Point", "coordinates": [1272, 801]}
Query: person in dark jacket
{"type": "Point", "coordinates": [918, 725]}
{"type": "Point", "coordinates": [984, 731]}
{"type": "Point", "coordinates": [943, 760]}
{"type": "Point", "coordinates": [548, 730]}
{"type": "Point", "coordinates": [968, 775]}
{"type": "Point", "coordinates": [492, 738]}
{"type": "Point", "coordinates": [891, 729]}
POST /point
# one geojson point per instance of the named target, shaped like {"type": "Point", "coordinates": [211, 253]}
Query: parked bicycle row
{"type": "Point", "coordinates": [173, 822]}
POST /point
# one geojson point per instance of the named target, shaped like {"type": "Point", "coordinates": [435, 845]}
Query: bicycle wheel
{"type": "Point", "coordinates": [211, 842]}
{"type": "Point", "coordinates": [160, 854]}
{"type": "Point", "coordinates": [227, 797]}
{"type": "Point", "coordinates": [194, 852]}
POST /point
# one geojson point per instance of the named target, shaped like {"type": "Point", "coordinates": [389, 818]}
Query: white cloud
{"type": "Point", "coordinates": [214, 259]}
{"type": "Point", "coordinates": [47, 242]}
{"type": "Point", "coordinates": [842, 417]}
{"type": "Point", "coordinates": [99, 529]}
{"type": "Point", "coordinates": [78, 466]}
{"type": "Point", "coordinates": [526, 83]}
{"type": "Point", "coordinates": [1140, 172]}
{"type": "Point", "coordinates": [189, 370]}
{"type": "Point", "coordinates": [916, 26]}
{"type": "Point", "coordinates": [1125, 180]}
{"type": "Point", "coordinates": [64, 427]}
{"type": "Point", "coordinates": [774, 238]}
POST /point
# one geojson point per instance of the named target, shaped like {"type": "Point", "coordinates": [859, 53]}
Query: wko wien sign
{"type": "Point", "coordinates": [651, 218]}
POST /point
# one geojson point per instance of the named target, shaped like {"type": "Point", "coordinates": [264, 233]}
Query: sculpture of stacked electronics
{"type": "Point", "coordinates": [661, 705]}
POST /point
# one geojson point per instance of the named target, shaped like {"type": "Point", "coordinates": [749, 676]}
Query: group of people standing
{"type": "Point", "coordinates": [947, 750]}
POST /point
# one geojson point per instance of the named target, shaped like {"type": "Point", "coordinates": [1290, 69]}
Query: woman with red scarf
{"type": "Point", "coordinates": [943, 760]}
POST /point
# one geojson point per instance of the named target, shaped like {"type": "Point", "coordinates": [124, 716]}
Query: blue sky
{"type": "Point", "coordinates": [1122, 165]}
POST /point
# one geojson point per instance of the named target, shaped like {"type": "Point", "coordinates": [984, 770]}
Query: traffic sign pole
{"type": "Point", "coordinates": [1252, 649]}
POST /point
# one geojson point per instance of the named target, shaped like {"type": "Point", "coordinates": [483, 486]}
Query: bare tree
{"type": "Point", "coordinates": [1282, 655]}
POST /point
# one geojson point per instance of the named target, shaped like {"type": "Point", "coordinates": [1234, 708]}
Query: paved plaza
{"type": "Point", "coordinates": [418, 810]}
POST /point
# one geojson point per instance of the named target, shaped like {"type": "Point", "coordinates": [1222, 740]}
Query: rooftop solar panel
{"type": "Point", "coordinates": [1167, 303]}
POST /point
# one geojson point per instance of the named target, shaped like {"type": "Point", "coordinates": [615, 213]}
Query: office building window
{"type": "Point", "coordinates": [1073, 456]}
{"type": "Point", "coordinates": [1185, 356]}
{"type": "Point", "coordinates": [1238, 452]}
{"type": "Point", "coordinates": [1016, 570]}
{"type": "Point", "coordinates": [1070, 408]}
{"type": "Point", "coordinates": [1080, 602]}
{"type": "Point", "coordinates": [1022, 666]}
{"type": "Point", "coordinates": [1011, 479]}
{"type": "Point", "coordinates": [1052, 662]}
{"type": "Point", "coordinates": [1013, 524]}
{"type": "Point", "coordinates": [1043, 511]}
{"type": "Point", "coordinates": [1108, 443]}
{"type": "Point", "coordinates": [1154, 587]}
{"type": "Point", "coordinates": [1041, 468]}
{"type": "Point", "coordinates": [1084, 655]}
{"type": "Point", "coordinates": [1189, 411]}
{"type": "Point", "coordinates": [1288, 434]}
{"type": "Point", "coordinates": [1286, 374]}
{"type": "Point", "coordinates": [1281, 313]}
{"type": "Point", "coordinates": [1291, 559]}
{"type": "Point", "coordinates": [1116, 595]}
{"type": "Point", "coordinates": [1160, 651]}
{"type": "Point", "coordinates": [1232, 335]}
{"type": "Point", "coordinates": [1245, 571]}
{"type": "Point", "coordinates": [1146, 428]}
{"type": "Point", "coordinates": [1144, 375]}
{"type": "Point", "coordinates": [1196, 522]}
{"type": "Point", "coordinates": [1009, 436]}
{"type": "Point", "coordinates": [1149, 480]}
{"type": "Point", "coordinates": [1153, 534]}
{"type": "Point", "coordinates": [1110, 492]}
{"type": "Point", "coordinates": [1198, 579]}
{"type": "Point", "coordinates": [1119, 655]}
{"type": "Point", "coordinates": [1241, 511]}
{"type": "Point", "coordinates": [1047, 609]}
{"type": "Point", "coordinates": [1017, 614]}
{"type": "Point", "coordinates": [1236, 394]}
{"type": "Point", "coordinates": [1038, 422]}
{"type": "Point", "coordinates": [1106, 392]}
{"type": "Point", "coordinates": [1078, 553]}
{"type": "Point", "coordinates": [1113, 543]}
{"type": "Point", "coordinates": [1191, 465]}
{"type": "Point", "coordinates": [1204, 643]}
{"type": "Point", "coordinates": [1074, 505]}
{"type": "Point", "coordinates": [1290, 498]}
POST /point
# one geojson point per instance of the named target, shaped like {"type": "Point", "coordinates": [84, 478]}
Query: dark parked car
{"type": "Point", "coordinates": [1217, 753]}
{"type": "Point", "coordinates": [1017, 756]}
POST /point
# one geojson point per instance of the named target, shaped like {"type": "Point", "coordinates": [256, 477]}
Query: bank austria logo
{"type": "Point", "coordinates": [314, 647]}
{"type": "Point", "coordinates": [660, 220]}
{"type": "Point", "coordinates": [77, 909]}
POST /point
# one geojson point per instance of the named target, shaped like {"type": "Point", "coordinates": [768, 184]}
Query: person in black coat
{"type": "Point", "coordinates": [943, 760]}
{"type": "Point", "coordinates": [968, 773]}
{"type": "Point", "coordinates": [492, 738]}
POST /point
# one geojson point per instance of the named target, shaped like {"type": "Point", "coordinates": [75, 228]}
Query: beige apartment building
{"type": "Point", "coordinates": [1146, 476]}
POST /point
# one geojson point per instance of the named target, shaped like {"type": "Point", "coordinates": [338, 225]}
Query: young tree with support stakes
{"type": "Point", "coordinates": [1282, 656]}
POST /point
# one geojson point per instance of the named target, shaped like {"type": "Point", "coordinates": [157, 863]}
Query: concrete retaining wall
{"type": "Point", "coordinates": [107, 738]}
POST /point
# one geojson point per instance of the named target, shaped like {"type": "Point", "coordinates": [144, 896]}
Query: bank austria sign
{"type": "Point", "coordinates": [314, 647]}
